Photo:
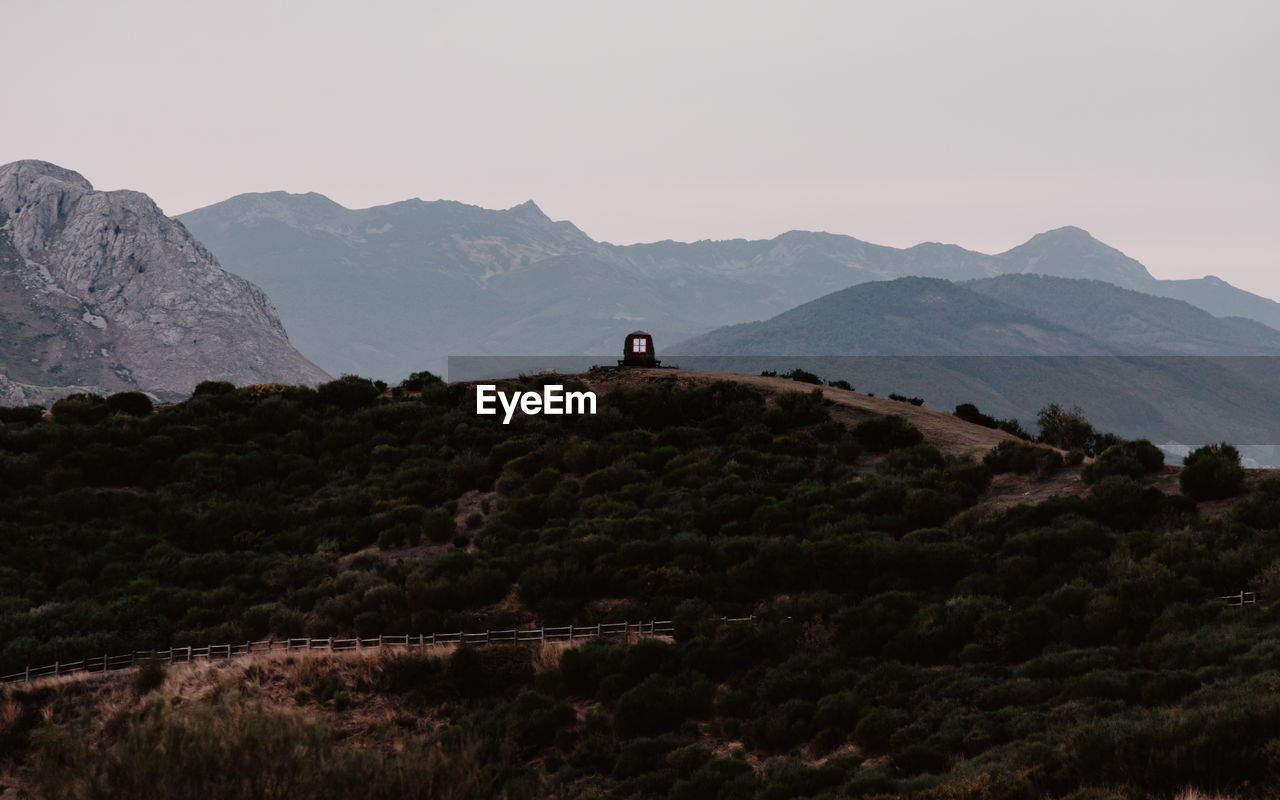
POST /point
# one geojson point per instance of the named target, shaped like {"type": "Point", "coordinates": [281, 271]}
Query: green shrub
{"type": "Point", "coordinates": [420, 382]}
{"type": "Point", "coordinates": [798, 374]}
{"type": "Point", "coordinates": [1122, 502]}
{"type": "Point", "coordinates": [970, 413]}
{"type": "Point", "coordinates": [350, 392]}
{"type": "Point", "coordinates": [1023, 458]}
{"type": "Point", "coordinates": [1132, 459]}
{"type": "Point", "coordinates": [22, 415]}
{"type": "Point", "coordinates": [884, 433]}
{"type": "Point", "coordinates": [1012, 426]}
{"type": "Point", "coordinates": [82, 409]}
{"type": "Point", "coordinates": [1212, 472]}
{"type": "Point", "coordinates": [135, 404]}
{"type": "Point", "coordinates": [877, 726]}
{"type": "Point", "coordinates": [1064, 428]}
{"type": "Point", "coordinates": [659, 703]}
{"type": "Point", "coordinates": [439, 526]}
{"type": "Point", "coordinates": [206, 388]}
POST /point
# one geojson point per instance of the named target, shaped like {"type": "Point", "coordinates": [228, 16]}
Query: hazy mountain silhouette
{"type": "Point", "coordinates": [392, 289]}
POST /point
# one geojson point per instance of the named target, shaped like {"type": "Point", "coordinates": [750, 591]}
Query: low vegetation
{"type": "Point", "coordinates": [904, 638]}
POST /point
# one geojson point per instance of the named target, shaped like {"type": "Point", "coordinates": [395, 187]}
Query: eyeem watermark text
{"type": "Point", "coordinates": [553, 399]}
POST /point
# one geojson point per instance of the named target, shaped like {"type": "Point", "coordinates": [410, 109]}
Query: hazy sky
{"type": "Point", "coordinates": [1154, 125]}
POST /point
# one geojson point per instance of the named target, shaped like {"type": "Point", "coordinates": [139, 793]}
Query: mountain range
{"type": "Point", "coordinates": [392, 289]}
{"type": "Point", "coordinates": [1009, 315]}
{"type": "Point", "coordinates": [99, 291]}
{"type": "Point", "coordinates": [1139, 365]}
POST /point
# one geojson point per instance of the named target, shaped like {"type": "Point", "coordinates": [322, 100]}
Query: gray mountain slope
{"type": "Point", "coordinates": [388, 290]}
{"type": "Point", "coordinates": [100, 291]}
{"type": "Point", "coordinates": [1015, 343]}
{"type": "Point", "coordinates": [903, 317]}
{"type": "Point", "coordinates": [1130, 322]}
{"type": "Point", "coordinates": [1072, 253]}
{"type": "Point", "coordinates": [1220, 299]}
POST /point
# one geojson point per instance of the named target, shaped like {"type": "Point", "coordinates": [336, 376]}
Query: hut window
{"type": "Point", "coordinates": [637, 345]}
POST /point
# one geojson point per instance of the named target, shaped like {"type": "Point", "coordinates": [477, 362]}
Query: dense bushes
{"type": "Point", "coordinates": [970, 413]}
{"type": "Point", "coordinates": [1212, 472]}
{"type": "Point", "coordinates": [885, 433]}
{"type": "Point", "coordinates": [135, 404]}
{"type": "Point", "coordinates": [1131, 459]}
{"type": "Point", "coordinates": [1023, 458]}
{"type": "Point", "coordinates": [959, 651]}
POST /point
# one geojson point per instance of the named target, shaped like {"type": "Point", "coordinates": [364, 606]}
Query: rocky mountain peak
{"type": "Point", "coordinates": [528, 209]}
{"type": "Point", "coordinates": [101, 290]}
{"type": "Point", "coordinates": [32, 171]}
{"type": "Point", "coordinates": [1071, 252]}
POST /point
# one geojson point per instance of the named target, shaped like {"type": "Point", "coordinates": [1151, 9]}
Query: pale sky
{"type": "Point", "coordinates": [1153, 125]}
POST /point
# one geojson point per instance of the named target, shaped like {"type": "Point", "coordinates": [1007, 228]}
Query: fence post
{"type": "Point", "coordinates": [571, 631]}
{"type": "Point", "coordinates": [26, 675]}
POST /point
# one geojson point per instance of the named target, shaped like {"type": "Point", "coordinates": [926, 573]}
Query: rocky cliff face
{"type": "Point", "coordinates": [100, 290]}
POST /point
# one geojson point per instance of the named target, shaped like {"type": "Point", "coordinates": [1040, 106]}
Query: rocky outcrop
{"type": "Point", "coordinates": [101, 290]}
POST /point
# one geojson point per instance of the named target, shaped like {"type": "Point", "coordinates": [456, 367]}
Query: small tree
{"type": "Point", "coordinates": [970, 413]}
{"type": "Point", "coordinates": [1064, 428]}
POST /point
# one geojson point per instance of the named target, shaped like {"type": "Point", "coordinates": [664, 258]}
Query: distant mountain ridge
{"type": "Point", "coordinates": [1139, 365]}
{"type": "Point", "coordinates": [99, 291]}
{"type": "Point", "coordinates": [1130, 322]}
{"type": "Point", "coordinates": [392, 289]}
{"type": "Point", "coordinates": [1009, 315]}
{"type": "Point", "coordinates": [902, 317]}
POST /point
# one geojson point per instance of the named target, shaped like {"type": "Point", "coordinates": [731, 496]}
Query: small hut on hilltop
{"type": "Point", "coordinates": [637, 351]}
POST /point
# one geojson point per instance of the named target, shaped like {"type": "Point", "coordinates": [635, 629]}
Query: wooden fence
{"type": "Point", "coordinates": [1241, 600]}
{"type": "Point", "coordinates": [223, 652]}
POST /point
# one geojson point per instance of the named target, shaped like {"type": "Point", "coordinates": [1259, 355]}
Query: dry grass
{"type": "Point", "coordinates": [1195, 794]}
{"type": "Point", "coordinates": [947, 432]}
